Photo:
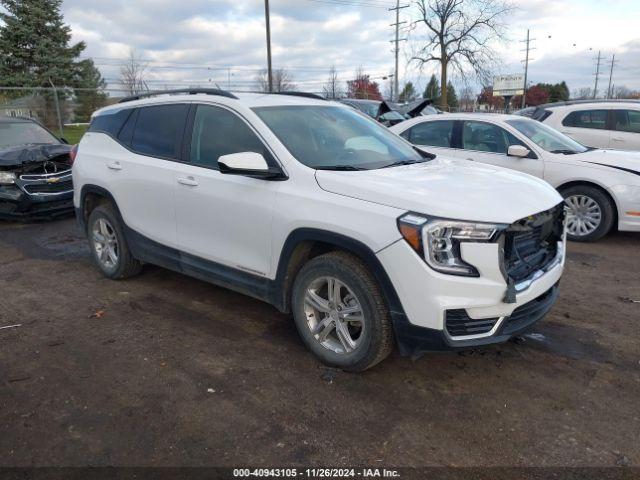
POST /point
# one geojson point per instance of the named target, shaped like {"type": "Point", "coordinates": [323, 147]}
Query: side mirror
{"type": "Point", "coordinates": [518, 151]}
{"type": "Point", "coordinates": [248, 164]}
{"type": "Point", "coordinates": [64, 140]}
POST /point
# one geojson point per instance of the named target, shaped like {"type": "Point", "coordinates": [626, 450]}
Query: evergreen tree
{"type": "Point", "coordinates": [88, 86]}
{"type": "Point", "coordinates": [408, 93]}
{"type": "Point", "coordinates": [35, 49]}
{"type": "Point", "coordinates": [432, 91]}
{"type": "Point", "coordinates": [452, 97]}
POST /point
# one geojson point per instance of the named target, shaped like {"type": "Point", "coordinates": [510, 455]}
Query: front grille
{"type": "Point", "coordinates": [459, 324]}
{"type": "Point", "coordinates": [58, 187]}
{"type": "Point", "coordinates": [532, 243]}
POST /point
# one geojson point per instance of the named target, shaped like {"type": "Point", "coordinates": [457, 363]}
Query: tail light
{"type": "Point", "coordinates": [73, 153]}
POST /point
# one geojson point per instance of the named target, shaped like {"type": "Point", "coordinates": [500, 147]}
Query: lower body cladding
{"type": "Point", "coordinates": [37, 196]}
{"type": "Point", "coordinates": [444, 312]}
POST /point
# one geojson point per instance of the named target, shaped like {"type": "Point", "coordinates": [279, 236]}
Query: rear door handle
{"type": "Point", "coordinates": [470, 159]}
{"type": "Point", "coordinates": [189, 181]}
{"type": "Point", "coordinates": [114, 166]}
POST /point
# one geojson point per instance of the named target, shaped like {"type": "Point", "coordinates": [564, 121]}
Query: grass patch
{"type": "Point", "coordinates": [74, 133]}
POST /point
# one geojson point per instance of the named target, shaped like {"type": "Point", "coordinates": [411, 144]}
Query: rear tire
{"type": "Point", "coordinates": [591, 213]}
{"type": "Point", "coordinates": [349, 328]}
{"type": "Point", "coordinates": [108, 244]}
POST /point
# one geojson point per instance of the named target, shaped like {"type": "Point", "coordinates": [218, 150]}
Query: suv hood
{"type": "Point", "coordinates": [23, 154]}
{"type": "Point", "coordinates": [447, 188]}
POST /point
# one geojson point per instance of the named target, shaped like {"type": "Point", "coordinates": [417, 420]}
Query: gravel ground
{"type": "Point", "coordinates": [167, 370]}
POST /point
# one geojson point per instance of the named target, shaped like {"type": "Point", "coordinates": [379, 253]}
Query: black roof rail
{"type": "Point", "coordinates": [188, 91]}
{"type": "Point", "coordinates": [301, 94]}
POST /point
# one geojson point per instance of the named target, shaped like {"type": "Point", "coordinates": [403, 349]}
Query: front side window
{"type": "Point", "coordinates": [336, 138]}
{"type": "Point", "coordinates": [24, 133]}
{"type": "Point", "coordinates": [159, 129]}
{"type": "Point", "coordinates": [218, 132]}
{"type": "Point", "coordinates": [546, 137]}
{"type": "Point", "coordinates": [596, 119]}
{"type": "Point", "coordinates": [433, 134]}
{"type": "Point", "coordinates": [487, 137]}
{"type": "Point", "coordinates": [627, 121]}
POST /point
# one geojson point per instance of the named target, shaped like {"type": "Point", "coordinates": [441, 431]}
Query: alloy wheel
{"type": "Point", "coordinates": [584, 215]}
{"type": "Point", "coordinates": [105, 243]}
{"type": "Point", "coordinates": [334, 315]}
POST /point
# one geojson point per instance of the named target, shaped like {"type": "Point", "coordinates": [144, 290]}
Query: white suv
{"type": "Point", "coordinates": [322, 212]}
{"type": "Point", "coordinates": [611, 124]}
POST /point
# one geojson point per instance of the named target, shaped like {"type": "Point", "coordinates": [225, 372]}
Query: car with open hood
{"type": "Point", "coordinates": [601, 187]}
{"type": "Point", "coordinates": [35, 171]}
{"type": "Point", "coordinates": [323, 213]}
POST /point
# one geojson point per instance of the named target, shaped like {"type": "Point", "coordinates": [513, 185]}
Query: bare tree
{"type": "Point", "coordinates": [332, 89]}
{"type": "Point", "coordinates": [582, 93]}
{"type": "Point", "coordinates": [133, 73]}
{"type": "Point", "coordinates": [467, 99]}
{"type": "Point", "coordinates": [282, 81]}
{"type": "Point", "coordinates": [460, 34]}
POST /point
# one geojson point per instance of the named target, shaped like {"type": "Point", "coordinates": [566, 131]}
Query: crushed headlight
{"type": "Point", "coordinates": [438, 240]}
{"type": "Point", "coordinates": [7, 178]}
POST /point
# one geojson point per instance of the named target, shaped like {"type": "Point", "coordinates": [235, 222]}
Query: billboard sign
{"type": "Point", "coordinates": [508, 85]}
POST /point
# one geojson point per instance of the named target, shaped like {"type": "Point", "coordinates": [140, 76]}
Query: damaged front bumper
{"type": "Point", "coordinates": [35, 196]}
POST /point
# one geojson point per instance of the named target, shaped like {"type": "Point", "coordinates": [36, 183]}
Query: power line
{"type": "Point", "coordinates": [355, 3]}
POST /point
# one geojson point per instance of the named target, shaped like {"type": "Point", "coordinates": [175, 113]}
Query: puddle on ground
{"type": "Point", "coordinates": [47, 241]}
{"type": "Point", "coordinates": [567, 341]}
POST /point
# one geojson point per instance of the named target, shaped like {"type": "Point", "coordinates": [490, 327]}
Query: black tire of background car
{"type": "Point", "coordinates": [127, 265]}
{"type": "Point", "coordinates": [606, 207]}
{"type": "Point", "coordinates": [378, 341]}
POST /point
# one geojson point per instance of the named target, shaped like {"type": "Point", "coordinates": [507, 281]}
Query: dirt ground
{"type": "Point", "coordinates": [166, 370]}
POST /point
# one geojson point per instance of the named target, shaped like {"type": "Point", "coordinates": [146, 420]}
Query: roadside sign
{"type": "Point", "coordinates": [508, 85]}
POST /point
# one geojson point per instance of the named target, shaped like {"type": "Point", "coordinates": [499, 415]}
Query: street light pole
{"type": "Point", "coordinates": [269, 71]}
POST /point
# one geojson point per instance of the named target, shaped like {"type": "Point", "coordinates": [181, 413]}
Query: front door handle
{"type": "Point", "coordinates": [188, 181]}
{"type": "Point", "coordinates": [617, 139]}
{"type": "Point", "coordinates": [470, 159]}
{"type": "Point", "coordinates": [114, 166]}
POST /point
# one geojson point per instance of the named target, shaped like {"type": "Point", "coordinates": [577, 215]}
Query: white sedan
{"type": "Point", "coordinates": [600, 187]}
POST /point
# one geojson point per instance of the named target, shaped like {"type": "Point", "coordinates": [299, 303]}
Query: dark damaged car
{"type": "Point", "coordinates": [35, 171]}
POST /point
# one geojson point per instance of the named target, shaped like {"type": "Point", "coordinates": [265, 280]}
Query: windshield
{"type": "Point", "coordinates": [24, 133]}
{"type": "Point", "coordinates": [392, 115]}
{"type": "Point", "coordinates": [336, 138]}
{"type": "Point", "coordinates": [370, 108]}
{"type": "Point", "coordinates": [546, 137]}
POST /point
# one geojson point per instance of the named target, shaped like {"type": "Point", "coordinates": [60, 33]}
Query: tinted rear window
{"type": "Point", "coordinates": [159, 130]}
{"type": "Point", "coordinates": [110, 122]}
{"type": "Point", "coordinates": [596, 119]}
{"type": "Point", "coordinates": [434, 134]}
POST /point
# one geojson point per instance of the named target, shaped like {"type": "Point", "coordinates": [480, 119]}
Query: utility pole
{"type": "Point", "coordinates": [397, 8]}
{"type": "Point", "coordinates": [269, 71]}
{"type": "Point", "coordinates": [613, 62]}
{"type": "Point", "coordinates": [595, 88]}
{"type": "Point", "coordinates": [57, 102]}
{"type": "Point", "coordinates": [526, 67]}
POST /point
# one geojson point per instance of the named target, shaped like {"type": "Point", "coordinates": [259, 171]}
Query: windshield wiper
{"type": "Point", "coordinates": [341, 168]}
{"type": "Point", "coordinates": [403, 162]}
{"type": "Point", "coordinates": [564, 152]}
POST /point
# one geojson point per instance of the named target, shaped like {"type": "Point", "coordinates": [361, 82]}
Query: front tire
{"type": "Point", "coordinates": [108, 244]}
{"type": "Point", "coordinates": [340, 312]}
{"type": "Point", "coordinates": [590, 213]}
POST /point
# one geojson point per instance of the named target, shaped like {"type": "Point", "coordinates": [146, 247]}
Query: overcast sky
{"type": "Point", "coordinates": [189, 42]}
